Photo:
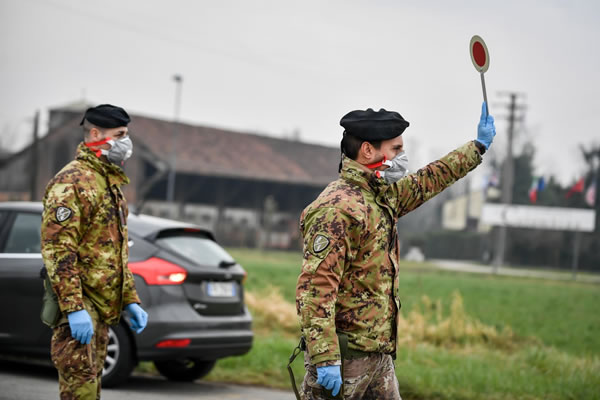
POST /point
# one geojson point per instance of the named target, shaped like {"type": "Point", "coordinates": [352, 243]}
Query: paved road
{"type": "Point", "coordinates": [466, 266]}
{"type": "Point", "coordinates": [19, 381]}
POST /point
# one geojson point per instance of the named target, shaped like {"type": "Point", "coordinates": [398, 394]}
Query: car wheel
{"type": "Point", "coordinates": [184, 370]}
{"type": "Point", "coordinates": [119, 357]}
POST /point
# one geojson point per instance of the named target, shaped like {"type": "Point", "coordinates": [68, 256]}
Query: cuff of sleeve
{"type": "Point", "coordinates": [328, 363]}
{"type": "Point", "coordinates": [130, 298]}
{"type": "Point", "coordinates": [321, 341]}
{"type": "Point", "coordinates": [127, 304]}
{"type": "Point", "coordinates": [324, 358]}
{"type": "Point", "coordinates": [474, 157]}
{"type": "Point", "coordinates": [70, 304]}
{"type": "Point", "coordinates": [322, 351]}
{"type": "Point", "coordinates": [480, 146]}
{"type": "Point", "coordinates": [71, 298]}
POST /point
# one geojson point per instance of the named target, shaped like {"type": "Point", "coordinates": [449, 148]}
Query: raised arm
{"type": "Point", "coordinates": [413, 190]}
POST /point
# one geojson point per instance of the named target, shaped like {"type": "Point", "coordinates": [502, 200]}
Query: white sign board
{"type": "Point", "coordinates": [554, 218]}
{"type": "Point", "coordinates": [454, 214]}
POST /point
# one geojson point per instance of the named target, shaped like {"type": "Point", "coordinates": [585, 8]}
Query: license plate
{"type": "Point", "coordinates": [221, 289]}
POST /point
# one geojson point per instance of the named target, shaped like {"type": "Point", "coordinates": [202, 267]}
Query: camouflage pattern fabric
{"type": "Point", "coordinates": [367, 378]}
{"type": "Point", "coordinates": [84, 237]}
{"type": "Point", "coordinates": [80, 366]}
{"type": "Point", "coordinates": [349, 280]}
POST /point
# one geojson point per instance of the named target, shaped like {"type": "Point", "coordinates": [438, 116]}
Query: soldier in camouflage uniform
{"type": "Point", "coordinates": [85, 251]}
{"type": "Point", "coordinates": [349, 282]}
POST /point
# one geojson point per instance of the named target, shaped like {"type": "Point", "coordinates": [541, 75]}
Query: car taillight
{"type": "Point", "coordinates": [156, 271]}
{"type": "Point", "coordinates": [174, 343]}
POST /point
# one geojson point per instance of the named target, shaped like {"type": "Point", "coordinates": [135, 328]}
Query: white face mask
{"type": "Point", "coordinates": [120, 150]}
{"type": "Point", "coordinates": [398, 168]}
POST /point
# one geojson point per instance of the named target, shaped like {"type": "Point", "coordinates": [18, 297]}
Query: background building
{"type": "Point", "coordinates": [249, 189]}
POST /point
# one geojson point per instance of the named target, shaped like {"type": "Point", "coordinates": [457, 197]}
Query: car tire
{"type": "Point", "coordinates": [184, 370]}
{"type": "Point", "coordinates": [119, 357]}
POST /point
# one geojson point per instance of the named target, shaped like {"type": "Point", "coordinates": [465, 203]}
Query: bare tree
{"type": "Point", "coordinates": [11, 136]}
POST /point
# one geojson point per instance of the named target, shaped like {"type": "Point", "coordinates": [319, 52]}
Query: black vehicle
{"type": "Point", "coordinates": [191, 288]}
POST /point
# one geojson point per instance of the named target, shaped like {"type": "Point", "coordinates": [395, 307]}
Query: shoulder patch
{"type": "Point", "coordinates": [320, 243]}
{"type": "Point", "coordinates": [63, 214]}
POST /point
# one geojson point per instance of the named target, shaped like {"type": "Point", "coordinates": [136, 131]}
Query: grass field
{"type": "Point", "coordinates": [463, 336]}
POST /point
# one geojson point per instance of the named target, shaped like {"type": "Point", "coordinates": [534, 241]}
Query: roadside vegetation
{"type": "Point", "coordinates": [462, 336]}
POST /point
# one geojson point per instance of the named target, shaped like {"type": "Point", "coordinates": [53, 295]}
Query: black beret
{"type": "Point", "coordinates": [106, 116]}
{"type": "Point", "coordinates": [372, 125]}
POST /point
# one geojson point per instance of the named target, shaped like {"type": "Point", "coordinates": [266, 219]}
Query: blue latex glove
{"type": "Point", "coordinates": [330, 377]}
{"type": "Point", "coordinates": [486, 129]}
{"type": "Point", "coordinates": [81, 326]}
{"type": "Point", "coordinates": [138, 317]}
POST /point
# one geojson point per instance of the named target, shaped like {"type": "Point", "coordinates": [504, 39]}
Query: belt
{"type": "Point", "coordinates": [353, 354]}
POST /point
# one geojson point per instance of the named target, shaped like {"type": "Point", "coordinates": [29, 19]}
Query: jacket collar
{"type": "Point", "coordinates": [361, 176]}
{"type": "Point", "coordinates": [112, 172]}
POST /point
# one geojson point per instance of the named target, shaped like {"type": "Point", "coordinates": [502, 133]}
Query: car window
{"type": "Point", "coordinates": [24, 236]}
{"type": "Point", "coordinates": [195, 248]}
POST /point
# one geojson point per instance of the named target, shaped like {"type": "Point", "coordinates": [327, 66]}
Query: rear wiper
{"type": "Point", "coordinates": [226, 264]}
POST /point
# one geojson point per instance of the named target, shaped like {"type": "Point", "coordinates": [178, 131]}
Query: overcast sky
{"type": "Point", "coordinates": [276, 67]}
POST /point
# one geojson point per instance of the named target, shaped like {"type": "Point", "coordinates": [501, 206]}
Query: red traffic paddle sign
{"type": "Point", "coordinates": [481, 61]}
{"type": "Point", "coordinates": [479, 54]}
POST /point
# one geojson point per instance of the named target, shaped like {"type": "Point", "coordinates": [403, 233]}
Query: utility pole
{"type": "Point", "coordinates": [595, 169]}
{"type": "Point", "coordinates": [508, 176]}
{"type": "Point", "coordinates": [592, 157]}
{"type": "Point", "coordinates": [33, 196]}
{"type": "Point", "coordinates": [597, 194]}
{"type": "Point", "coordinates": [173, 162]}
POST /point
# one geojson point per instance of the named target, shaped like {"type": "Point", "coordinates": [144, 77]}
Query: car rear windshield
{"type": "Point", "coordinates": [196, 248]}
{"type": "Point", "coordinates": [24, 237]}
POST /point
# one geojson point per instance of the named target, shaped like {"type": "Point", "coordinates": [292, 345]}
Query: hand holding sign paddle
{"type": "Point", "coordinates": [481, 61]}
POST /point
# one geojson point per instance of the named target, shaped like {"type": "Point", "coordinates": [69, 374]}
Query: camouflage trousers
{"type": "Point", "coordinates": [369, 378]}
{"type": "Point", "coordinates": [79, 366]}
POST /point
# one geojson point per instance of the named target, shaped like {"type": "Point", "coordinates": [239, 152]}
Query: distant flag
{"type": "Point", "coordinates": [590, 195]}
{"type": "Point", "coordinates": [490, 186]}
{"type": "Point", "coordinates": [494, 182]}
{"type": "Point", "coordinates": [576, 188]}
{"type": "Point", "coordinates": [537, 185]}
{"type": "Point", "coordinates": [490, 180]}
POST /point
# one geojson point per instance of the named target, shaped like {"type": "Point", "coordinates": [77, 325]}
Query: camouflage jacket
{"type": "Point", "coordinates": [349, 279]}
{"type": "Point", "coordinates": [84, 237]}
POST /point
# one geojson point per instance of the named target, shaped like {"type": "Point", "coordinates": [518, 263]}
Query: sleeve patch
{"type": "Point", "coordinates": [63, 214]}
{"type": "Point", "coordinates": [320, 243]}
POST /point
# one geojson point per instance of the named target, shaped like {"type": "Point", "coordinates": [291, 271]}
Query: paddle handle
{"type": "Point", "coordinates": [487, 108]}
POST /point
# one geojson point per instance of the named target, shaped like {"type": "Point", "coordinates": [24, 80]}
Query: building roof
{"type": "Point", "coordinates": [219, 152]}
{"type": "Point", "coordinates": [210, 151]}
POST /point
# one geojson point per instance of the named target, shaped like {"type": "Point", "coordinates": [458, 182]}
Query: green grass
{"type": "Point", "coordinates": [561, 314]}
{"type": "Point", "coordinates": [548, 344]}
{"type": "Point", "coordinates": [428, 372]}
{"type": "Point", "coordinates": [270, 268]}
{"type": "Point", "coordinates": [266, 364]}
